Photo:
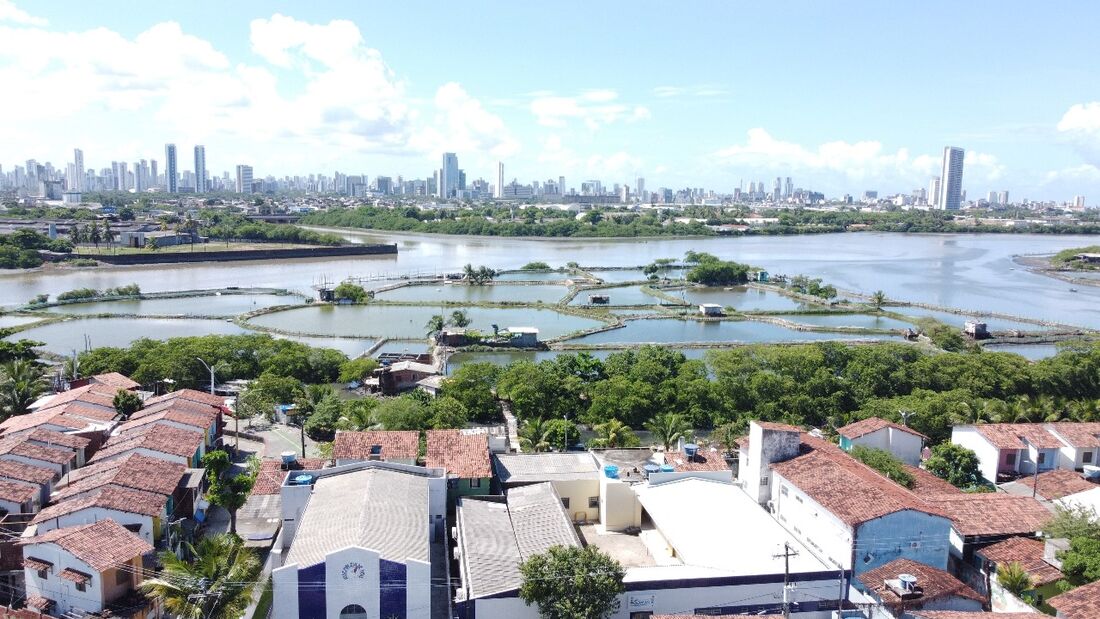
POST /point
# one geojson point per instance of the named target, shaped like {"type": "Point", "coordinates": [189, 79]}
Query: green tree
{"type": "Point", "coordinates": [1013, 577]}
{"type": "Point", "coordinates": [570, 583]}
{"type": "Point", "coordinates": [878, 299]}
{"type": "Point", "coordinates": [535, 266]}
{"type": "Point", "coordinates": [613, 434]}
{"type": "Point", "coordinates": [472, 384]}
{"type": "Point", "coordinates": [350, 292]}
{"type": "Point", "coordinates": [225, 490]}
{"type": "Point", "coordinates": [324, 417]}
{"type": "Point", "coordinates": [534, 436]}
{"type": "Point", "coordinates": [955, 463]}
{"type": "Point", "coordinates": [1081, 562]}
{"type": "Point", "coordinates": [1073, 522]}
{"type": "Point", "coordinates": [459, 319]}
{"type": "Point", "coordinates": [403, 413]}
{"type": "Point", "coordinates": [447, 412]}
{"type": "Point", "coordinates": [126, 403]}
{"type": "Point", "coordinates": [668, 428]}
{"type": "Point", "coordinates": [356, 369]}
{"type": "Point", "coordinates": [884, 462]}
{"type": "Point", "coordinates": [215, 584]}
{"type": "Point", "coordinates": [435, 324]}
{"type": "Point", "coordinates": [21, 383]}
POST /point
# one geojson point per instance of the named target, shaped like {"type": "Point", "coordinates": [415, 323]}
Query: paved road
{"type": "Point", "coordinates": [279, 438]}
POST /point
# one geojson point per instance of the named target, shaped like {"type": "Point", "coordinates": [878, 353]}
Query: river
{"type": "Point", "coordinates": [973, 272]}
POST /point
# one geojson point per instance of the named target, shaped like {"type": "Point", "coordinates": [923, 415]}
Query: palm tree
{"type": "Point", "coordinates": [76, 234]}
{"type": "Point", "coordinates": [215, 584]}
{"type": "Point", "coordinates": [614, 433]}
{"type": "Point", "coordinates": [94, 236]}
{"type": "Point", "coordinates": [21, 383]}
{"type": "Point", "coordinates": [878, 299]}
{"type": "Point", "coordinates": [1014, 577]}
{"type": "Point", "coordinates": [469, 273]}
{"type": "Point", "coordinates": [668, 428]}
{"type": "Point", "coordinates": [535, 436]}
{"type": "Point", "coordinates": [435, 324]}
{"type": "Point", "coordinates": [108, 234]}
{"type": "Point", "coordinates": [460, 319]}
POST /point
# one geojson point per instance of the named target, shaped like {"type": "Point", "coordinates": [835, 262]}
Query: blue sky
{"type": "Point", "coordinates": [842, 96]}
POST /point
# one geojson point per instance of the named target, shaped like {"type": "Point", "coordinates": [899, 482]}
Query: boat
{"type": "Point", "coordinates": [1073, 290]}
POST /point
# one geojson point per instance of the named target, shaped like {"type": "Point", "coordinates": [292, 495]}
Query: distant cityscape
{"type": "Point", "coordinates": [449, 182]}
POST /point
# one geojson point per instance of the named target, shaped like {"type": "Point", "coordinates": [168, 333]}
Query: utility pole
{"type": "Point", "coordinates": [788, 552]}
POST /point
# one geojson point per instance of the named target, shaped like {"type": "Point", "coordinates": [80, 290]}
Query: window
{"type": "Point", "coordinates": [43, 574]}
{"type": "Point", "coordinates": [783, 490]}
{"type": "Point", "coordinates": [475, 483]}
{"type": "Point", "coordinates": [1010, 459]}
{"type": "Point", "coordinates": [565, 502]}
{"type": "Point", "coordinates": [763, 481]}
{"type": "Point", "coordinates": [798, 498]}
{"type": "Point", "coordinates": [82, 586]}
{"type": "Point", "coordinates": [593, 502]}
{"type": "Point", "coordinates": [644, 614]}
{"type": "Point", "coordinates": [353, 611]}
{"type": "Point", "coordinates": [122, 577]}
{"type": "Point", "coordinates": [1086, 457]}
{"type": "Point", "coordinates": [1042, 458]}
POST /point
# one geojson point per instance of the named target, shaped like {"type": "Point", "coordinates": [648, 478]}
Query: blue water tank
{"type": "Point", "coordinates": [611, 471]}
{"type": "Point", "coordinates": [301, 480]}
{"type": "Point", "coordinates": [690, 449]}
{"type": "Point", "coordinates": [668, 468]}
{"type": "Point", "coordinates": [651, 469]}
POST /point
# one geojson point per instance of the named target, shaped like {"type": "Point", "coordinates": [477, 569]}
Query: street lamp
{"type": "Point", "coordinates": [211, 370]}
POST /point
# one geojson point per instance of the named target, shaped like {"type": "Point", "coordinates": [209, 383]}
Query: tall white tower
{"type": "Point", "coordinates": [171, 177]}
{"type": "Point", "coordinates": [499, 189]}
{"type": "Point", "coordinates": [951, 179]}
{"type": "Point", "coordinates": [77, 182]}
{"type": "Point", "coordinates": [200, 169]}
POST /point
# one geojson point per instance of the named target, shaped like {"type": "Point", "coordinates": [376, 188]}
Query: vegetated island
{"type": "Point", "coordinates": [690, 220]}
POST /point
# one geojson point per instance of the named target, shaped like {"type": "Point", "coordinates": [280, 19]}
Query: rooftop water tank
{"type": "Point", "coordinates": [908, 582]}
{"type": "Point", "coordinates": [668, 468]}
{"type": "Point", "coordinates": [651, 468]}
{"type": "Point", "coordinates": [611, 471]}
{"type": "Point", "coordinates": [690, 449]}
{"type": "Point", "coordinates": [289, 457]}
{"type": "Point", "coordinates": [301, 480]}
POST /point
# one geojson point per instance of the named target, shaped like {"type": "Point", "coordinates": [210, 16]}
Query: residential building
{"type": "Point", "coordinates": [980, 519]}
{"type": "Point", "coordinates": [464, 455]}
{"type": "Point", "coordinates": [365, 540]}
{"type": "Point", "coordinates": [86, 569]}
{"type": "Point", "coordinates": [1049, 485]}
{"type": "Point", "coordinates": [448, 176]}
{"type": "Point", "coordinates": [401, 447]}
{"type": "Point", "coordinates": [574, 475]}
{"type": "Point", "coordinates": [171, 174]}
{"type": "Point", "coordinates": [848, 514]}
{"type": "Point", "coordinates": [77, 181]}
{"type": "Point", "coordinates": [498, 189]}
{"type": "Point", "coordinates": [136, 472]}
{"type": "Point", "coordinates": [201, 179]}
{"type": "Point", "coordinates": [1079, 603]}
{"type": "Point", "coordinates": [934, 191]}
{"type": "Point", "coordinates": [951, 191]}
{"type": "Point", "coordinates": [38, 477]}
{"type": "Point", "coordinates": [1030, 553]}
{"type": "Point", "coordinates": [902, 442]}
{"type": "Point", "coordinates": [1008, 450]}
{"type": "Point", "coordinates": [244, 179]}
{"type": "Point", "coordinates": [903, 586]}
{"type": "Point", "coordinates": [141, 512]}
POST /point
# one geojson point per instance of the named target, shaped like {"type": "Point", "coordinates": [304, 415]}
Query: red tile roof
{"type": "Point", "coordinates": [136, 471]}
{"type": "Point", "coordinates": [994, 513]}
{"type": "Point", "coordinates": [16, 446]}
{"type": "Point", "coordinates": [74, 575]}
{"type": "Point", "coordinates": [863, 427]}
{"type": "Point", "coordinates": [16, 492]}
{"type": "Point", "coordinates": [92, 392]}
{"type": "Point", "coordinates": [19, 423]}
{"type": "Point", "coordinates": [934, 583]}
{"type": "Point", "coordinates": [53, 437]}
{"type": "Point", "coordinates": [1057, 483]}
{"type": "Point", "coordinates": [396, 445]}
{"type": "Point", "coordinates": [80, 408]}
{"type": "Point", "coordinates": [102, 545]}
{"type": "Point", "coordinates": [109, 497]}
{"type": "Point", "coordinates": [165, 439]}
{"type": "Point", "coordinates": [1026, 551]}
{"type": "Point", "coordinates": [961, 614]}
{"type": "Point", "coordinates": [464, 455]}
{"type": "Point", "coordinates": [1080, 603]}
{"type": "Point", "coordinates": [40, 603]}
{"type": "Point", "coordinates": [715, 617]}
{"type": "Point", "coordinates": [271, 474]}
{"type": "Point", "coordinates": [191, 395]}
{"type": "Point", "coordinates": [846, 487]}
{"type": "Point", "coordinates": [1013, 435]}
{"type": "Point", "coordinates": [1082, 435]}
{"type": "Point", "coordinates": [706, 459]}
{"type": "Point", "coordinates": [116, 380]}
{"type": "Point", "coordinates": [6, 612]}
{"type": "Point", "coordinates": [198, 420]}
{"type": "Point", "coordinates": [782, 427]}
{"type": "Point", "coordinates": [37, 564]}
{"type": "Point", "coordinates": [926, 484]}
{"type": "Point", "coordinates": [26, 472]}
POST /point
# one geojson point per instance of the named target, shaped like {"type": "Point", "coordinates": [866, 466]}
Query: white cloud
{"type": "Point", "coordinates": [11, 13]}
{"type": "Point", "coordinates": [864, 161]}
{"type": "Point", "coordinates": [593, 108]}
{"type": "Point", "coordinates": [556, 155]}
{"type": "Point", "coordinates": [1084, 173]}
{"type": "Point", "coordinates": [319, 87]}
{"type": "Point", "coordinates": [1081, 126]}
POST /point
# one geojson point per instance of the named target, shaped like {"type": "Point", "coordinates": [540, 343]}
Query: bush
{"type": "Point", "coordinates": [718, 273]}
{"type": "Point", "coordinates": [884, 462]}
{"type": "Point", "coordinates": [351, 292]}
{"type": "Point", "coordinates": [535, 266]}
{"type": "Point", "coordinates": [79, 293]}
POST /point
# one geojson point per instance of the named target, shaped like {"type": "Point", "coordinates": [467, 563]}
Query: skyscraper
{"type": "Point", "coordinates": [499, 189]}
{"type": "Point", "coordinates": [639, 188]}
{"type": "Point", "coordinates": [77, 182]}
{"type": "Point", "coordinates": [951, 179]}
{"type": "Point", "coordinates": [171, 178]}
{"type": "Point", "coordinates": [448, 176]}
{"type": "Point", "coordinates": [789, 191]}
{"type": "Point", "coordinates": [777, 192]}
{"type": "Point", "coordinates": [1002, 198]}
{"type": "Point", "coordinates": [244, 179]}
{"type": "Point", "coordinates": [561, 185]}
{"type": "Point", "coordinates": [200, 169]}
{"type": "Point", "coordinates": [934, 192]}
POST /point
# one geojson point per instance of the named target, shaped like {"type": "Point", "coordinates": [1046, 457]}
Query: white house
{"type": "Point", "coordinates": [40, 477]}
{"type": "Point", "coordinates": [575, 476]}
{"type": "Point", "coordinates": [903, 442]}
{"type": "Point", "coordinates": [362, 541]}
{"type": "Point", "coordinates": [140, 512]}
{"type": "Point", "coordinates": [165, 442]}
{"type": "Point", "coordinates": [846, 513]}
{"type": "Point", "coordinates": [1007, 450]}
{"type": "Point", "coordinates": [1081, 443]}
{"type": "Point", "coordinates": [82, 569]}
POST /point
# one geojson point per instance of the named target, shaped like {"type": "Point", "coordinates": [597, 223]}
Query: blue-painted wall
{"type": "Point", "coordinates": [392, 581]}
{"type": "Point", "coordinates": [908, 534]}
{"type": "Point", "coordinates": [311, 592]}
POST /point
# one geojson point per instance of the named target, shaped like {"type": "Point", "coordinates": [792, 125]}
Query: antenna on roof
{"type": "Point", "coordinates": [905, 416]}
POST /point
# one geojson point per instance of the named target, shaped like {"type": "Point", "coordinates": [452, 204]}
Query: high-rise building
{"type": "Point", "coordinates": [1078, 201]}
{"type": "Point", "coordinates": [448, 176]}
{"type": "Point", "coordinates": [777, 191]}
{"type": "Point", "coordinates": [1002, 197]}
{"type": "Point", "coordinates": [77, 182]}
{"type": "Point", "coordinates": [934, 192]}
{"type": "Point", "coordinates": [789, 188]}
{"type": "Point", "coordinates": [639, 188]}
{"type": "Point", "coordinates": [200, 169]}
{"type": "Point", "coordinates": [499, 189]}
{"type": "Point", "coordinates": [951, 178]}
{"type": "Point", "coordinates": [992, 197]}
{"type": "Point", "coordinates": [171, 178]}
{"type": "Point", "coordinates": [561, 185]}
{"type": "Point", "coordinates": [244, 179]}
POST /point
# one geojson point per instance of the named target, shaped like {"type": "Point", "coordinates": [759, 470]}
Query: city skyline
{"type": "Point", "coordinates": [272, 86]}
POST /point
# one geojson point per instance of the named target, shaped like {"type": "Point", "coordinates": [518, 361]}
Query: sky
{"type": "Point", "coordinates": [843, 96]}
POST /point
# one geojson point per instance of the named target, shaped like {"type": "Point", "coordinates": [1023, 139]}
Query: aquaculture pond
{"type": "Point", "coordinates": [957, 320]}
{"type": "Point", "coordinates": [64, 337]}
{"type": "Point", "coordinates": [623, 295]}
{"type": "Point", "coordinates": [630, 275]}
{"type": "Point", "coordinates": [18, 321]}
{"type": "Point", "coordinates": [865, 321]}
{"type": "Point", "coordinates": [534, 276]}
{"type": "Point", "coordinates": [461, 293]}
{"type": "Point", "coordinates": [205, 305]}
{"type": "Point", "coordinates": [741, 298]}
{"type": "Point", "coordinates": [677, 330]}
{"type": "Point", "coordinates": [1030, 351]}
{"type": "Point", "coordinates": [408, 321]}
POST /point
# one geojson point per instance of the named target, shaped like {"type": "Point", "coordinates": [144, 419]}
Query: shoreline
{"type": "Point", "coordinates": [1040, 264]}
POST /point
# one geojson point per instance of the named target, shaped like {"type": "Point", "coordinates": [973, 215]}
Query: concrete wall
{"type": "Point", "coordinates": [903, 445]}
{"type": "Point", "coordinates": [826, 535]}
{"type": "Point", "coordinates": [908, 534]}
{"type": "Point", "coordinates": [765, 448]}
{"type": "Point", "coordinates": [988, 455]}
{"type": "Point", "coordinates": [577, 492]}
{"type": "Point", "coordinates": [95, 514]}
{"type": "Point", "coordinates": [64, 592]}
{"type": "Point", "coordinates": [231, 255]}
{"type": "Point", "coordinates": [619, 506]}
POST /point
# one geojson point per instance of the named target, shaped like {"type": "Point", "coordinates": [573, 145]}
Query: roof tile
{"type": "Point", "coordinates": [993, 513]}
{"type": "Point", "coordinates": [396, 445]}
{"type": "Point", "coordinates": [1026, 551]}
{"type": "Point", "coordinates": [863, 427]}
{"type": "Point", "coordinates": [935, 583]}
{"type": "Point", "coordinates": [102, 545]}
{"type": "Point", "coordinates": [462, 454]}
{"type": "Point", "coordinates": [1080, 603]}
{"type": "Point", "coordinates": [1057, 483]}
